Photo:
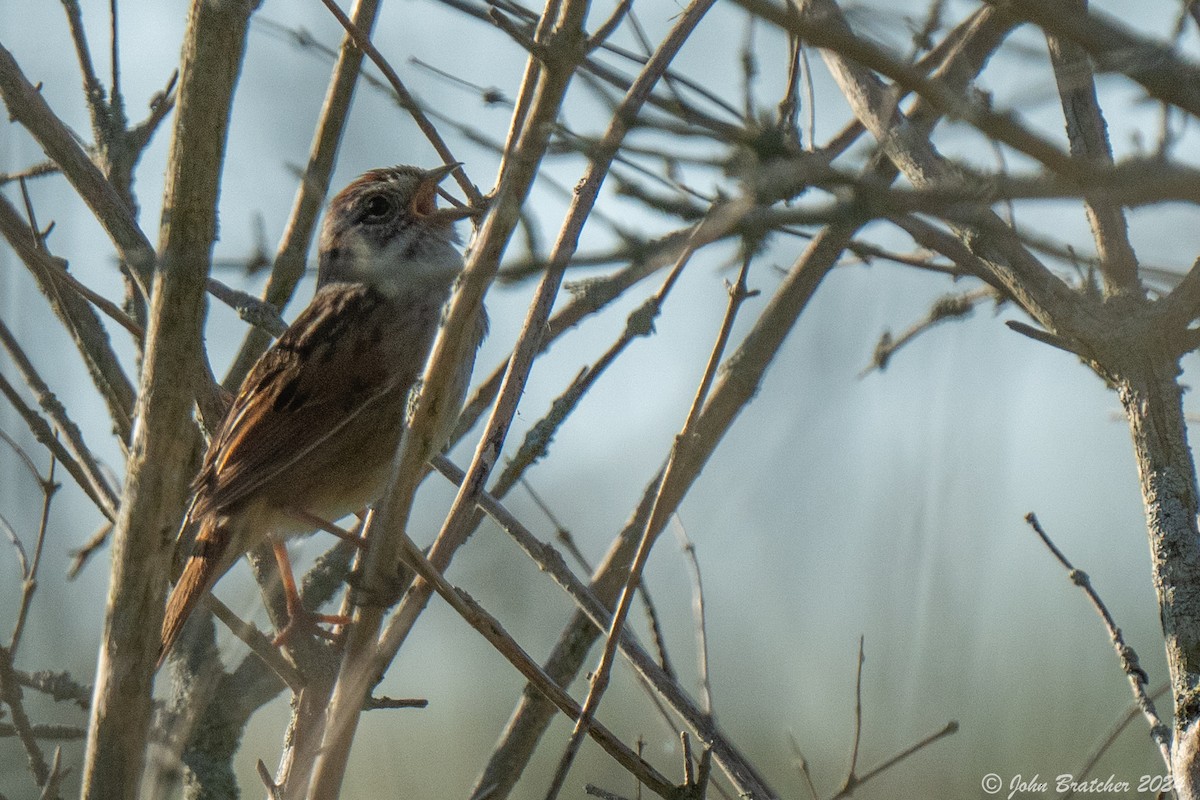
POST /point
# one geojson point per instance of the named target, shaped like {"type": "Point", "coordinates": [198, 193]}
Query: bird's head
{"type": "Point", "coordinates": [386, 230]}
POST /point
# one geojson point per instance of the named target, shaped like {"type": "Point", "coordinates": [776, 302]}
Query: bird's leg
{"type": "Point", "coordinates": [298, 616]}
{"type": "Point", "coordinates": [320, 523]}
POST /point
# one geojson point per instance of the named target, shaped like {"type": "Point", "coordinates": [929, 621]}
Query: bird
{"type": "Point", "coordinates": [311, 434]}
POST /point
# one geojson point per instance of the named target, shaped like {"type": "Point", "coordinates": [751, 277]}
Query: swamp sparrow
{"type": "Point", "coordinates": [311, 434]}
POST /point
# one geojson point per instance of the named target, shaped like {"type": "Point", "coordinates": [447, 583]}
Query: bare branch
{"type": "Point", "coordinates": [44, 433]}
{"type": "Point", "coordinates": [945, 308]}
{"type": "Point", "coordinates": [57, 773]}
{"type": "Point", "coordinates": [1133, 712]}
{"type": "Point", "coordinates": [1114, 48]}
{"type": "Point", "coordinates": [593, 610]}
{"type": "Point", "coordinates": [26, 106]}
{"type": "Point", "coordinates": [293, 249]}
{"type": "Point", "coordinates": [1088, 134]}
{"type": "Point", "coordinates": [1125, 654]}
{"type": "Point", "coordinates": [852, 780]}
{"type": "Point", "coordinates": [258, 313]}
{"type": "Point", "coordinates": [93, 90]}
{"type": "Point", "coordinates": [689, 550]}
{"type": "Point", "coordinates": [10, 693]}
{"type": "Point", "coordinates": [951, 728]}
{"type": "Point", "coordinates": [163, 450]}
{"type": "Point", "coordinates": [491, 629]}
{"type": "Point", "coordinates": [89, 335]}
{"type": "Point", "coordinates": [30, 571]}
{"type": "Point", "coordinates": [407, 101]}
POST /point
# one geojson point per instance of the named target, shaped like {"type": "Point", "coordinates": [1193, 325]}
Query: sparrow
{"type": "Point", "coordinates": [311, 433]}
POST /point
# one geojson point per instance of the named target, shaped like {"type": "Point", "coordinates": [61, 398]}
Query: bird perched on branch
{"type": "Point", "coordinates": [312, 431]}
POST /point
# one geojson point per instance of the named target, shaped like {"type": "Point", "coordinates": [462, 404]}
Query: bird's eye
{"type": "Point", "coordinates": [377, 208]}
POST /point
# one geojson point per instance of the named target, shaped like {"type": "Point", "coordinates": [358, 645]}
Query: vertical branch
{"type": "Point", "coordinates": [10, 693]}
{"type": "Point", "coordinates": [1147, 383]}
{"type": "Point", "coordinates": [29, 583]}
{"type": "Point", "coordinates": [1088, 135]}
{"type": "Point", "coordinates": [162, 447]}
{"type": "Point", "coordinates": [92, 88]}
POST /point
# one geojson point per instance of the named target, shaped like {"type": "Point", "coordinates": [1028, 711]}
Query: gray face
{"type": "Point", "coordinates": [383, 230]}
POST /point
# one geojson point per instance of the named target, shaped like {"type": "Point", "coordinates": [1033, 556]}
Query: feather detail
{"type": "Point", "coordinates": [210, 559]}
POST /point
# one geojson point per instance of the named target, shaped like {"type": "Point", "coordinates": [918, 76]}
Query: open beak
{"type": "Point", "coordinates": [425, 202]}
{"type": "Point", "coordinates": [438, 174]}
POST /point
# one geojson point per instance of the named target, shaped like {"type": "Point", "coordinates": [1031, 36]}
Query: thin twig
{"type": "Point", "coordinates": [10, 693]}
{"type": "Point", "coordinates": [600, 676]}
{"type": "Point", "coordinates": [603, 794]}
{"type": "Point", "coordinates": [61, 733]}
{"type": "Point", "coordinates": [93, 90]}
{"type": "Point", "coordinates": [1126, 655]}
{"type": "Point", "coordinates": [57, 773]}
{"type": "Point", "coordinates": [23, 457]}
{"type": "Point", "coordinates": [44, 433]}
{"type": "Point", "coordinates": [58, 686]}
{"type": "Point", "coordinates": [407, 101]}
{"type": "Point", "coordinates": [258, 642]}
{"type": "Point", "coordinates": [802, 766]}
{"type": "Point", "coordinates": [950, 728]}
{"type": "Point", "coordinates": [596, 615]}
{"type": "Point", "coordinates": [852, 779]}
{"type": "Point", "coordinates": [689, 550]}
{"type": "Point", "coordinates": [947, 307]}
{"type": "Point", "coordinates": [391, 703]}
{"type": "Point", "coordinates": [249, 308]}
{"type": "Point", "coordinates": [264, 774]}
{"type": "Point", "coordinates": [1130, 714]}
{"type": "Point", "coordinates": [30, 583]}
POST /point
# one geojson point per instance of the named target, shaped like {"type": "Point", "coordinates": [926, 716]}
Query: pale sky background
{"type": "Point", "coordinates": [889, 506]}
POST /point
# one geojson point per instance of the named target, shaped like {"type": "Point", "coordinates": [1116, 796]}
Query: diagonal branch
{"type": "Point", "coordinates": [83, 466]}
{"type": "Point", "coordinates": [655, 522]}
{"type": "Point", "coordinates": [80, 321]}
{"type": "Point", "coordinates": [27, 106]}
{"type": "Point", "coordinates": [289, 263]}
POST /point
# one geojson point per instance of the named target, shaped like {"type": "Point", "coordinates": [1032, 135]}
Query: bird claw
{"type": "Point", "coordinates": [304, 621]}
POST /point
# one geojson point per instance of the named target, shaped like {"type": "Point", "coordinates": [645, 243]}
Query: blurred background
{"type": "Point", "coordinates": [886, 505]}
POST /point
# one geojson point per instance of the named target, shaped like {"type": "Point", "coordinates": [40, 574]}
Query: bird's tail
{"type": "Point", "coordinates": [209, 560]}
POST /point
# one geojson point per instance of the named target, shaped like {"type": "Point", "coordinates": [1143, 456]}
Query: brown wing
{"type": "Point", "coordinates": [352, 347]}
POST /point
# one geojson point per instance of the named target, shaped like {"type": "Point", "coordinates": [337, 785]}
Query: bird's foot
{"type": "Point", "coordinates": [301, 620]}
